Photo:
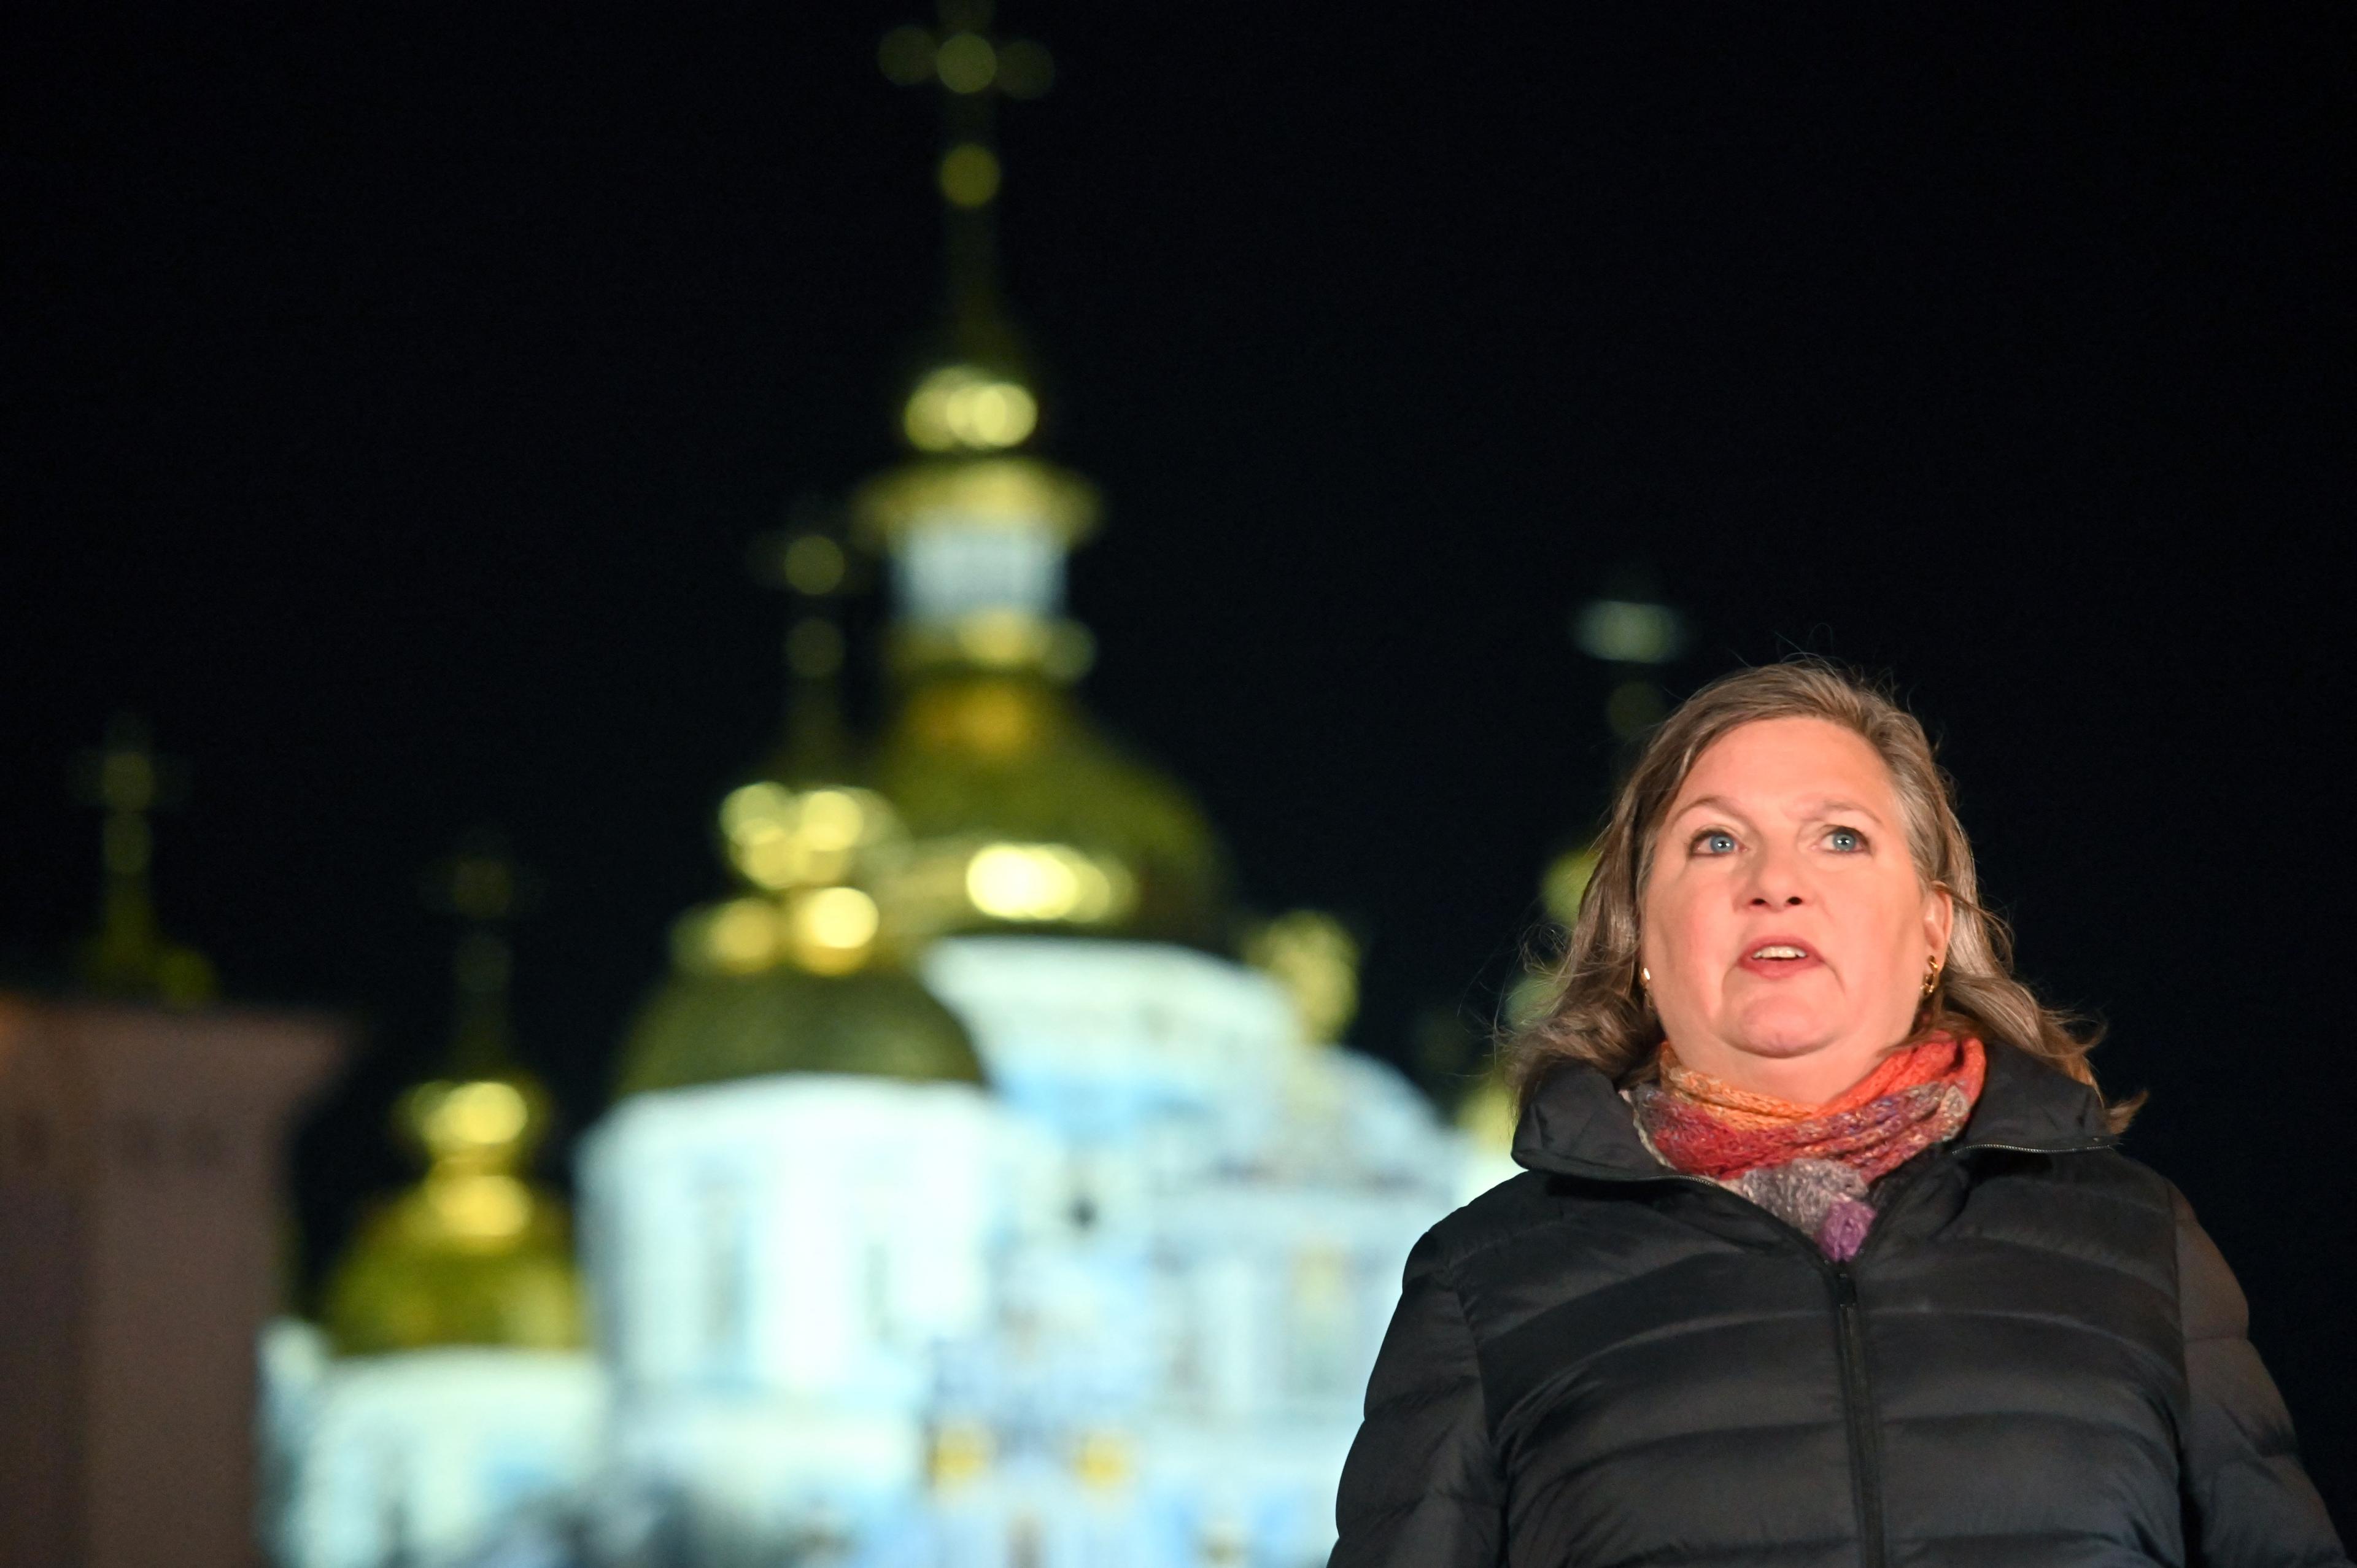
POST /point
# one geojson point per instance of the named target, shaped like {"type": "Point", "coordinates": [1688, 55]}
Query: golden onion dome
{"type": "Point", "coordinates": [804, 971]}
{"type": "Point", "coordinates": [1022, 815]}
{"type": "Point", "coordinates": [473, 1254]}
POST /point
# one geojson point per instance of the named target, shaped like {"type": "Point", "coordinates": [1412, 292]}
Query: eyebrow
{"type": "Point", "coordinates": [1823, 806]}
{"type": "Point", "coordinates": [1828, 805]}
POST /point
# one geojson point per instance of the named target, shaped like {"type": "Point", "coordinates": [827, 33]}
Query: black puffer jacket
{"type": "Point", "coordinates": [2037, 1361]}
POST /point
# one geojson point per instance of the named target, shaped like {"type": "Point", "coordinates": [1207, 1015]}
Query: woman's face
{"type": "Point", "coordinates": [1783, 924]}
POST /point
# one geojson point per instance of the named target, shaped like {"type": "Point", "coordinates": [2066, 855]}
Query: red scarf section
{"type": "Point", "coordinates": [1917, 1098]}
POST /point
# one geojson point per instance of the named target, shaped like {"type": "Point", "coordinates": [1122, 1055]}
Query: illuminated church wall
{"type": "Point", "coordinates": [1133, 1294]}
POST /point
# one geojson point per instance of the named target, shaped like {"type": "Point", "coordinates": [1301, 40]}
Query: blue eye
{"type": "Point", "coordinates": [1849, 841]}
{"type": "Point", "coordinates": [1715, 842]}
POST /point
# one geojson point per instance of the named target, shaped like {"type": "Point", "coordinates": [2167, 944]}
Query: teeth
{"type": "Point", "coordinates": [1780, 953]}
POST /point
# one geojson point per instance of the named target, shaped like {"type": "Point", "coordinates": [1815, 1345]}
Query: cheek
{"type": "Point", "coordinates": [1885, 928]}
{"type": "Point", "coordinates": [1682, 923]}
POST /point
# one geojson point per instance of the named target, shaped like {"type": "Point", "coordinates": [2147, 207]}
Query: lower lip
{"type": "Point", "coordinates": [1778, 968]}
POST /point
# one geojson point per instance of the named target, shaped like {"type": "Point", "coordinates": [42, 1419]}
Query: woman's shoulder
{"type": "Point", "coordinates": [1529, 1215]}
{"type": "Point", "coordinates": [2107, 1175]}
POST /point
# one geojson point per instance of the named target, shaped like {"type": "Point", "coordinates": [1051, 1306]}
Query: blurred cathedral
{"type": "Point", "coordinates": [971, 1197]}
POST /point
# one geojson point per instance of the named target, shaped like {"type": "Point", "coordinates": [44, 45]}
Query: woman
{"type": "Point", "coordinates": [1824, 1254]}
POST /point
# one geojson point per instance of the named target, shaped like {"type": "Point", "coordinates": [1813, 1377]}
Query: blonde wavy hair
{"type": "Point", "coordinates": [1598, 1013]}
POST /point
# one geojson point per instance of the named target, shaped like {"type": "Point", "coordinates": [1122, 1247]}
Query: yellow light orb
{"type": "Point", "coordinates": [963, 1451]}
{"type": "Point", "coordinates": [969, 176]}
{"type": "Point", "coordinates": [775, 860]}
{"type": "Point", "coordinates": [1314, 956]}
{"type": "Point", "coordinates": [1489, 1115]}
{"type": "Point", "coordinates": [1102, 1460]}
{"type": "Point", "coordinates": [478, 1208]}
{"type": "Point", "coordinates": [1093, 894]}
{"type": "Point", "coordinates": [1003, 638]}
{"type": "Point", "coordinates": [1021, 882]}
{"type": "Point", "coordinates": [832, 820]}
{"type": "Point", "coordinates": [961, 406]}
{"type": "Point", "coordinates": [814, 564]}
{"type": "Point", "coordinates": [126, 780]}
{"type": "Point", "coordinates": [966, 62]}
{"type": "Point", "coordinates": [485, 1115]}
{"type": "Point", "coordinates": [1565, 883]}
{"type": "Point", "coordinates": [992, 416]}
{"type": "Point", "coordinates": [833, 928]}
{"type": "Point", "coordinates": [757, 810]}
{"type": "Point", "coordinates": [742, 936]}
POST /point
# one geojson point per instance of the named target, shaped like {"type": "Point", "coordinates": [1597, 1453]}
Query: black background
{"type": "Point", "coordinates": [390, 399]}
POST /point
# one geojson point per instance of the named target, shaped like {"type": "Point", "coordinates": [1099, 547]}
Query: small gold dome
{"type": "Point", "coordinates": [709, 1028]}
{"type": "Point", "coordinates": [473, 1254]}
{"type": "Point", "coordinates": [417, 1276]}
{"type": "Point", "coordinates": [803, 970]}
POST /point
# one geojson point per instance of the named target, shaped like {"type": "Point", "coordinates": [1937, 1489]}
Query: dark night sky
{"type": "Point", "coordinates": [386, 401]}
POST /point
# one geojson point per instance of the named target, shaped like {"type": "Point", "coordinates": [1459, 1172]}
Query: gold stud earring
{"type": "Point", "coordinates": [1644, 977]}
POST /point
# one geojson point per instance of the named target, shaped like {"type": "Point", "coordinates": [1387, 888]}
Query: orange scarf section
{"type": "Point", "coordinates": [1813, 1166]}
{"type": "Point", "coordinates": [1718, 1129]}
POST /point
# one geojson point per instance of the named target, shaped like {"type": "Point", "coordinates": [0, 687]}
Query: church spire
{"type": "Point", "coordinates": [130, 958]}
{"type": "Point", "coordinates": [974, 70]}
{"type": "Point", "coordinates": [1020, 814]}
{"type": "Point", "coordinates": [976, 394]}
{"type": "Point", "coordinates": [482, 886]}
{"type": "Point", "coordinates": [808, 560]}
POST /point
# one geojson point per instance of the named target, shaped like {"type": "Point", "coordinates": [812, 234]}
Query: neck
{"type": "Point", "coordinates": [1809, 1078]}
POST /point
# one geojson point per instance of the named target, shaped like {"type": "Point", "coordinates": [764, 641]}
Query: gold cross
{"type": "Point", "coordinates": [486, 889]}
{"type": "Point", "coordinates": [130, 957]}
{"type": "Point", "coordinates": [128, 781]}
{"type": "Point", "coordinates": [974, 70]}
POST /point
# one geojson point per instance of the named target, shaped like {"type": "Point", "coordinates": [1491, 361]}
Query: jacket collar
{"type": "Point", "coordinates": [2027, 1105]}
{"type": "Point", "coordinates": [1577, 1125]}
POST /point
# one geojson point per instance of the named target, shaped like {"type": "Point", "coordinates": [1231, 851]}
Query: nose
{"type": "Point", "coordinates": [1777, 881]}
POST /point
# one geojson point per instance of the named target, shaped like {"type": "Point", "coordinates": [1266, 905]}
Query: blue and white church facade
{"type": "Point", "coordinates": [1115, 1311]}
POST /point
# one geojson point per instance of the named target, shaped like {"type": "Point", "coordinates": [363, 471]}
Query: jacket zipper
{"type": "Point", "coordinates": [1857, 1392]}
{"type": "Point", "coordinates": [1850, 1341]}
{"type": "Point", "coordinates": [1858, 1407]}
{"type": "Point", "coordinates": [1849, 1352]}
{"type": "Point", "coordinates": [1857, 1389]}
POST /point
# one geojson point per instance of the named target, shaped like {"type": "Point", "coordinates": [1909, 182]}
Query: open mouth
{"type": "Point", "coordinates": [1779, 957]}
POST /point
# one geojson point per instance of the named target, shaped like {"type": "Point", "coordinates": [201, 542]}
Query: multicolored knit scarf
{"type": "Point", "coordinates": [1811, 1165]}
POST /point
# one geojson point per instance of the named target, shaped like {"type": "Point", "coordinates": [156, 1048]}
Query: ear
{"type": "Point", "coordinates": [1939, 920]}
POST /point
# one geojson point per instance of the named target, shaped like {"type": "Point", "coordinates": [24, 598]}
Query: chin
{"type": "Point", "coordinates": [1783, 1031]}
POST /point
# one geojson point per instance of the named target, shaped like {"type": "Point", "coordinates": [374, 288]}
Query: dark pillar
{"type": "Point", "coordinates": [139, 1180]}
